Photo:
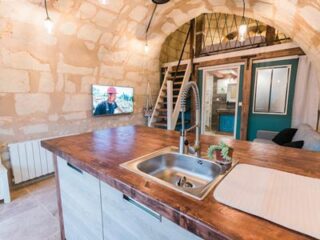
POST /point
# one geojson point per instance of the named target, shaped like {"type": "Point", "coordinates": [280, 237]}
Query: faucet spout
{"type": "Point", "coordinates": [184, 147]}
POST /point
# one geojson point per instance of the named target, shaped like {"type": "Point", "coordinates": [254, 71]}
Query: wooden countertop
{"type": "Point", "coordinates": [100, 153]}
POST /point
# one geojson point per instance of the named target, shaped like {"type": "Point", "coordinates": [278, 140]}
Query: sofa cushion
{"type": "Point", "coordinates": [297, 144]}
{"type": "Point", "coordinates": [310, 137]}
{"type": "Point", "coordinates": [285, 136]}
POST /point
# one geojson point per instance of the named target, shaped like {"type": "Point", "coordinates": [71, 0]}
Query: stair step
{"type": "Point", "coordinates": [174, 96]}
{"type": "Point", "coordinates": [180, 72]}
{"type": "Point", "coordinates": [181, 67]}
{"type": "Point", "coordinates": [172, 78]}
{"type": "Point", "coordinates": [160, 124]}
{"type": "Point", "coordinates": [165, 103]}
{"type": "Point", "coordinates": [177, 83]}
{"type": "Point", "coordinates": [161, 116]}
{"type": "Point", "coordinates": [174, 90]}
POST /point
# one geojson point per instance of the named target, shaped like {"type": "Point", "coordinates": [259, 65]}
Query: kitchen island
{"type": "Point", "coordinates": [98, 155]}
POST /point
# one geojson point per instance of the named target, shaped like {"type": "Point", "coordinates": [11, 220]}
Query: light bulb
{"type": "Point", "coordinates": [104, 2]}
{"type": "Point", "coordinates": [243, 32]}
{"type": "Point", "coordinates": [48, 25]}
{"type": "Point", "coordinates": [146, 48]}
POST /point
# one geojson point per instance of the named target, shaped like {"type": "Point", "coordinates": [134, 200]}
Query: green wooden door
{"type": "Point", "coordinates": [271, 121]}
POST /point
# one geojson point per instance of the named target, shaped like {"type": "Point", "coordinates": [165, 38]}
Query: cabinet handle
{"type": "Point", "coordinates": [74, 168]}
{"type": "Point", "coordinates": [142, 207]}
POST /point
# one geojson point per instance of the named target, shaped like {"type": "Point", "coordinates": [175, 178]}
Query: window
{"type": "Point", "coordinates": [271, 90]}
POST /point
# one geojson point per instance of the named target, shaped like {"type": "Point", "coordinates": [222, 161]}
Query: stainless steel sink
{"type": "Point", "coordinates": [187, 174]}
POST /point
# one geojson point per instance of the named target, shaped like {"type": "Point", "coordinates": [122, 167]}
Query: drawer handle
{"type": "Point", "coordinates": [74, 168]}
{"type": "Point", "coordinates": [142, 207]}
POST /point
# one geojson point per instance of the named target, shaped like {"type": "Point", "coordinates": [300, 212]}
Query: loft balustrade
{"type": "Point", "coordinates": [219, 33]}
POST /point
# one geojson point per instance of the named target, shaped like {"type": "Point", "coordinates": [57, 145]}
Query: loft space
{"type": "Point", "coordinates": [217, 33]}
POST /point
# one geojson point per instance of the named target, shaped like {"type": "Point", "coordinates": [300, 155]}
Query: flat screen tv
{"type": "Point", "coordinates": [111, 100]}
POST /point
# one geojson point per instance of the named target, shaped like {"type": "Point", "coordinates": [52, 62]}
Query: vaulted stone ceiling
{"type": "Point", "coordinates": [45, 79]}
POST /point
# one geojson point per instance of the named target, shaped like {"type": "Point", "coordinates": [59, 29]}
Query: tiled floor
{"type": "Point", "coordinates": [32, 214]}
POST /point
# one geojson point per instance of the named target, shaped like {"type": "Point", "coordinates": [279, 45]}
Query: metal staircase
{"type": "Point", "coordinates": [167, 108]}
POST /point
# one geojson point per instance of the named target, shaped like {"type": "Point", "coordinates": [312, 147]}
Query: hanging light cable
{"type": "Point", "coordinates": [48, 23]}
{"type": "Point", "coordinates": [243, 28]}
{"type": "Point", "coordinates": [146, 46]}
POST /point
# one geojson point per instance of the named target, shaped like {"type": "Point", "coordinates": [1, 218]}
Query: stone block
{"type": "Point", "coordinates": [87, 10]}
{"type": "Point", "coordinates": [68, 28]}
{"type": "Point", "coordinates": [86, 83]}
{"type": "Point", "coordinates": [66, 68]}
{"type": "Point", "coordinates": [138, 13]}
{"type": "Point", "coordinates": [22, 60]}
{"type": "Point", "coordinates": [70, 87]}
{"type": "Point", "coordinates": [89, 32]}
{"type": "Point", "coordinates": [35, 129]}
{"type": "Point", "coordinates": [77, 103]}
{"type": "Point", "coordinates": [104, 18]}
{"type": "Point", "coordinates": [311, 15]}
{"type": "Point", "coordinates": [26, 104]}
{"type": "Point", "coordinates": [168, 28]}
{"type": "Point", "coordinates": [46, 82]}
{"type": "Point", "coordinates": [14, 81]}
{"type": "Point", "coordinates": [75, 116]}
{"type": "Point", "coordinates": [91, 46]}
{"type": "Point", "coordinates": [116, 6]}
{"type": "Point", "coordinates": [114, 72]}
{"type": "Point", "coordinates": [106, 38]}
{"type": "Point", "coordinates": [6, 132]}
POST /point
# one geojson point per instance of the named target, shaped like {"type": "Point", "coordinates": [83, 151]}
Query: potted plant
{"type": "Point", "coordinates": [223, 152]}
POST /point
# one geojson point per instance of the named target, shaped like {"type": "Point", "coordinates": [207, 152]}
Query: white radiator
{"type": "Point", "coordinates": [29, 160]}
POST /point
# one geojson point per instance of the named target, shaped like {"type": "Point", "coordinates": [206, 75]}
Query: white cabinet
{"type": "Point", "coordinates": [126, 219]}
{"type": "Point", "coordinates": [81, 203]}
{"type": "Point", "coordinates": [92, 210]}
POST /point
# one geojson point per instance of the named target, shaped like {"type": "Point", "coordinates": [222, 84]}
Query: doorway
{"type": "Point", "coordinates": [220, 90]}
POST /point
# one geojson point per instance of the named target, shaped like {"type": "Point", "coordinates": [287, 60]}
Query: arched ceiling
{"type": "Point", "coordinates": [298, 19]}
{"type": "Point", "coordinates": [126, 20]}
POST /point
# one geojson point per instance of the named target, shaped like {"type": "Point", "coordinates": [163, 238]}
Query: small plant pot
{"type": "Point", "coordinates": [219, 155]}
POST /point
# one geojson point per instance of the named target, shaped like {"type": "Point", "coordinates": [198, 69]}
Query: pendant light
{"type": "Point", "coordinates": [48, 23]}
{"type": "Point", "coordinates": [243, 28]}
{"type": "Point", "coordinates": [104, 2]}
{"type": "Point", "coordinates": [160, 1]}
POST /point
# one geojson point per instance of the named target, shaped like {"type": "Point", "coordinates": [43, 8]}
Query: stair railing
{"type": "Point", "coordinates": [169, 104]}
{"type": "Point", "coordinates": [172, 114]}
{"type": "Point", "coordinates": [160, 97]}
{"type": "Point", "coordinates": [182, 52]}
{"type": "Point", "coordinates": [177, 107]}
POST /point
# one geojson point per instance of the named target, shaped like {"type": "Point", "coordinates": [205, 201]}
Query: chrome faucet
{"type": "Point", "coordinates": [184, 146]}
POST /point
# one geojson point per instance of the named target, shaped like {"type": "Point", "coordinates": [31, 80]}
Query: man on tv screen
{"type": "Point", "coordinates": [108, 106]}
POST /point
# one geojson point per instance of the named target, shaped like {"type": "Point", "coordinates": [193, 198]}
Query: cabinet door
{"type": "Point", "coordinates": [81, 203]}
{"type": "Point", "coordinates": [124, 218]}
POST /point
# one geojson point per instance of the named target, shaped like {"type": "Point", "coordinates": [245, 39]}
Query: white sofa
{"type": "Point", "coordinates": [304, 133]}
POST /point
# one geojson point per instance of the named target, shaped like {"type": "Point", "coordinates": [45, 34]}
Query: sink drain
{"type": "Point", "coordinates": [182, 182]}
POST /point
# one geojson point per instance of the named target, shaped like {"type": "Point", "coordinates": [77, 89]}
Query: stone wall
{"type": "Point", "coordinates": [45, 80]}
{"type": "Point", "coordinates": [173, 45]}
